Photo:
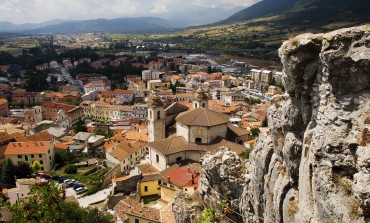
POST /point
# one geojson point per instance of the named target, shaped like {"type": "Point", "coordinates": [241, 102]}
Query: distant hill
{"type": "Point", "coordinates": [120, 25]}
{"type": "Point", "coordinates": [11, 27]}
{"type": "Point", "coordinates": [305, 11]}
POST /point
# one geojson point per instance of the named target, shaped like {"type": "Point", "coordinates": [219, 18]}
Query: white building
{"type": "Point", "coordinates": [197, 131]}
{"type": "Point", "coordinates": [150, 75]}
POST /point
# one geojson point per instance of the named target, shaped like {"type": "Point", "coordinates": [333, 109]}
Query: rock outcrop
{"type": "Point", "coordinates": [221, 183]}
{"type": "Point", "coordinates": [314, 164]}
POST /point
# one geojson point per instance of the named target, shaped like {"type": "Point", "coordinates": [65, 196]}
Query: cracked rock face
{"type": "Point", "coordinates": [221, 183]}
{"type": "Point", "coordinates": [314, 165]}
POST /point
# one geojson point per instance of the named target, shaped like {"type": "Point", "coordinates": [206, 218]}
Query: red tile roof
{"type": "Point", "coordinates": [20, 148]}
{"type": "Point", "coordinates": [129, 206]}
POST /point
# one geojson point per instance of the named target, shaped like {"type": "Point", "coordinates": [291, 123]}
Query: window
{"type": "Point", "coordinates": [196, 105]}
{"type": "Point", "coordinates": [42, 168]}
{"type": "Point", "coordinates": [19, 156]}
{"type": "Point", "coordinates": [157, 158]}
{"type": "Point", "coordinates": [204, 105]}
{"type": "Point", "coordinates": [158, 114]}
{"type": "Point", "coordinates": [146, 188]}
{"type": "Point", "coordinates": [198, 140]}
{"type": "Point", "coordinates": [41, 162]}
{"type": "Point", "coordinates": [32, 156]}
{"type": "Point", "coordinates": [150, 114]}
{"type": "Point", "coordinates": [137, 220]}
{"type": "Point", "coordinates": [26, 157]}
{"type": "Point", "coordinates": [40, 156]}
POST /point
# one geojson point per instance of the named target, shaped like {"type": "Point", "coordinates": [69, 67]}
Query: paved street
{"type": "Point", "coordinates": [95, 198]}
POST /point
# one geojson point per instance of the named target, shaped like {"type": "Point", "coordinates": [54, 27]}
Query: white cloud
{"type": "Point", "coordinates": [21, 11]}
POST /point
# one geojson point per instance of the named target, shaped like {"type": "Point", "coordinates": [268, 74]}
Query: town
{"type": "Point", "coordinates": [124, 132]}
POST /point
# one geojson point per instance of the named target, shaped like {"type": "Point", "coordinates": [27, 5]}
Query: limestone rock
{"type": "Point", "coordinates": [313, 165]}
{"type": "Point", "coordinates": [318, 171]}
{"type": "Point", "coordinates": [221, 183]}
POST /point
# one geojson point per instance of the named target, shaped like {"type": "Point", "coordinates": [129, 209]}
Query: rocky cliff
{"type": "Point", "coordinates": [314, 164]}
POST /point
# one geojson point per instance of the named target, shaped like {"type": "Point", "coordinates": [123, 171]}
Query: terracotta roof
{"type": "Point", "coordinates": [169, 170]}
{"type": "Point", "coordinates": [183, 176]}
{"type": "Point", "coordinates": [120, 179]}
{"type": "Point", "coordinates": [65, 107]}
{"type": "Point", "coordinates": [250, 141]}
{"type": "Point", "coordinates": [151, 176]}
{"type": "Point", "coordinates": [167, 214]}
{"type": "Point", "coordinates": [137, 136]}
{"type": "Point", "coordinates": [129, 206]}
{"type": "Point", "coordinates": [186, 104]}
{"type": "Point", "coordinates": [61, 146]}
{"type": "Point", "coordinates": [108, 145]}
{"type": "Point", "coordinates": [237, 131]}
{"type": "Point", "coordinates": [170, 145]}
{"type": "Point", "coordinates": [202, 117]}
{"type": "Point", "coordinates": [124, 149]}
{"type": "Point", "coordinates": [147, 168]}
{"type": "Point", "coordinates": [118, 137]}
{"type": "Point", "coordinates": [40, 136]}
{"type": "Point", "coordinates": [20, 148]}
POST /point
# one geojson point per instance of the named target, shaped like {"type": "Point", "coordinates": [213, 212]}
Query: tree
{"type": "Point", "coordinates": [59, 159]}
{"type": "Point", "coordinates": [70, 169]}
{"type": "Point", "coordinates": [46, 204]}
{"type": "Point", "coordinates": [23, 170]}
{"type": "Point", "coordinates": [8, 174]}
{"type": "Point", "coordinates": [255, 132]}
{"type": "Point", "coordinates": [36, 166]}
{"type": "Point", "coordinates": [100, 132]}
{"type": "Point", "coordinates": [80, 126]}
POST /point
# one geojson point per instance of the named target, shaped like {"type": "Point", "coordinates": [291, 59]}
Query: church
{"type": "Point", "coordinates": [198, 130]}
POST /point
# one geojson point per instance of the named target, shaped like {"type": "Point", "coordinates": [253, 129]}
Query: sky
{"type": "Point", "coordinates": [34, 11]}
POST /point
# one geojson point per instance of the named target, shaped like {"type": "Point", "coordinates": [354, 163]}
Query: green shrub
{"type": "Point", "coordinates": [70, 169]}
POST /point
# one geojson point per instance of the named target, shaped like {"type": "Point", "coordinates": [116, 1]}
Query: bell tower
{"type": "Point", "coordinates": [157, 126]}
{"type": "Point", "coordinates": [200, 99]}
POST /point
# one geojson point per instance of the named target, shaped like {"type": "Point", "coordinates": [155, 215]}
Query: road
{"type": "Point", "coordinates": [67, 76]}
{"type": "Point", "coordinates": [94, 198]}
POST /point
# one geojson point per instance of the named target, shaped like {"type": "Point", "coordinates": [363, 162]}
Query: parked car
{"type": "Point", "coordinates": [69, 182]}
{"type": "Point", "coordinates": [77, 185]}
{"type": "Point", "coordinates": [61, 180]}
{"type": "Point", "coordinates": [44, 175]}
{"type": "Point", "coordinates": [81, 190]}
{"type": "Point", "coordinates": [56, 177]}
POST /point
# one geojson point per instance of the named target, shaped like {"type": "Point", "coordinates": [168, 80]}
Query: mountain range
{"type": "Point", "coordinates": [303, 13]}
{"type": "Point", "coordinates": [148, 23]}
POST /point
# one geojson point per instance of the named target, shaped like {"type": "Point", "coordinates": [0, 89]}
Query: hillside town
{"type": "Point", "coordinates": [127, 143]}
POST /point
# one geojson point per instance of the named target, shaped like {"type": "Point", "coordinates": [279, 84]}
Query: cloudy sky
{"type": "Point", "coordinates": [24, 11]}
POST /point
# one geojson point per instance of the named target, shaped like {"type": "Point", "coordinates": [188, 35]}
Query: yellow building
{"type": "Point", "coordinates": [129, 210]}
{"type": "Point", "coordinates": [41, 151]}
{"type": "Point", "coordinates": [149, 185]}
{"type": "Point", "coordinates": [273, 90]}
